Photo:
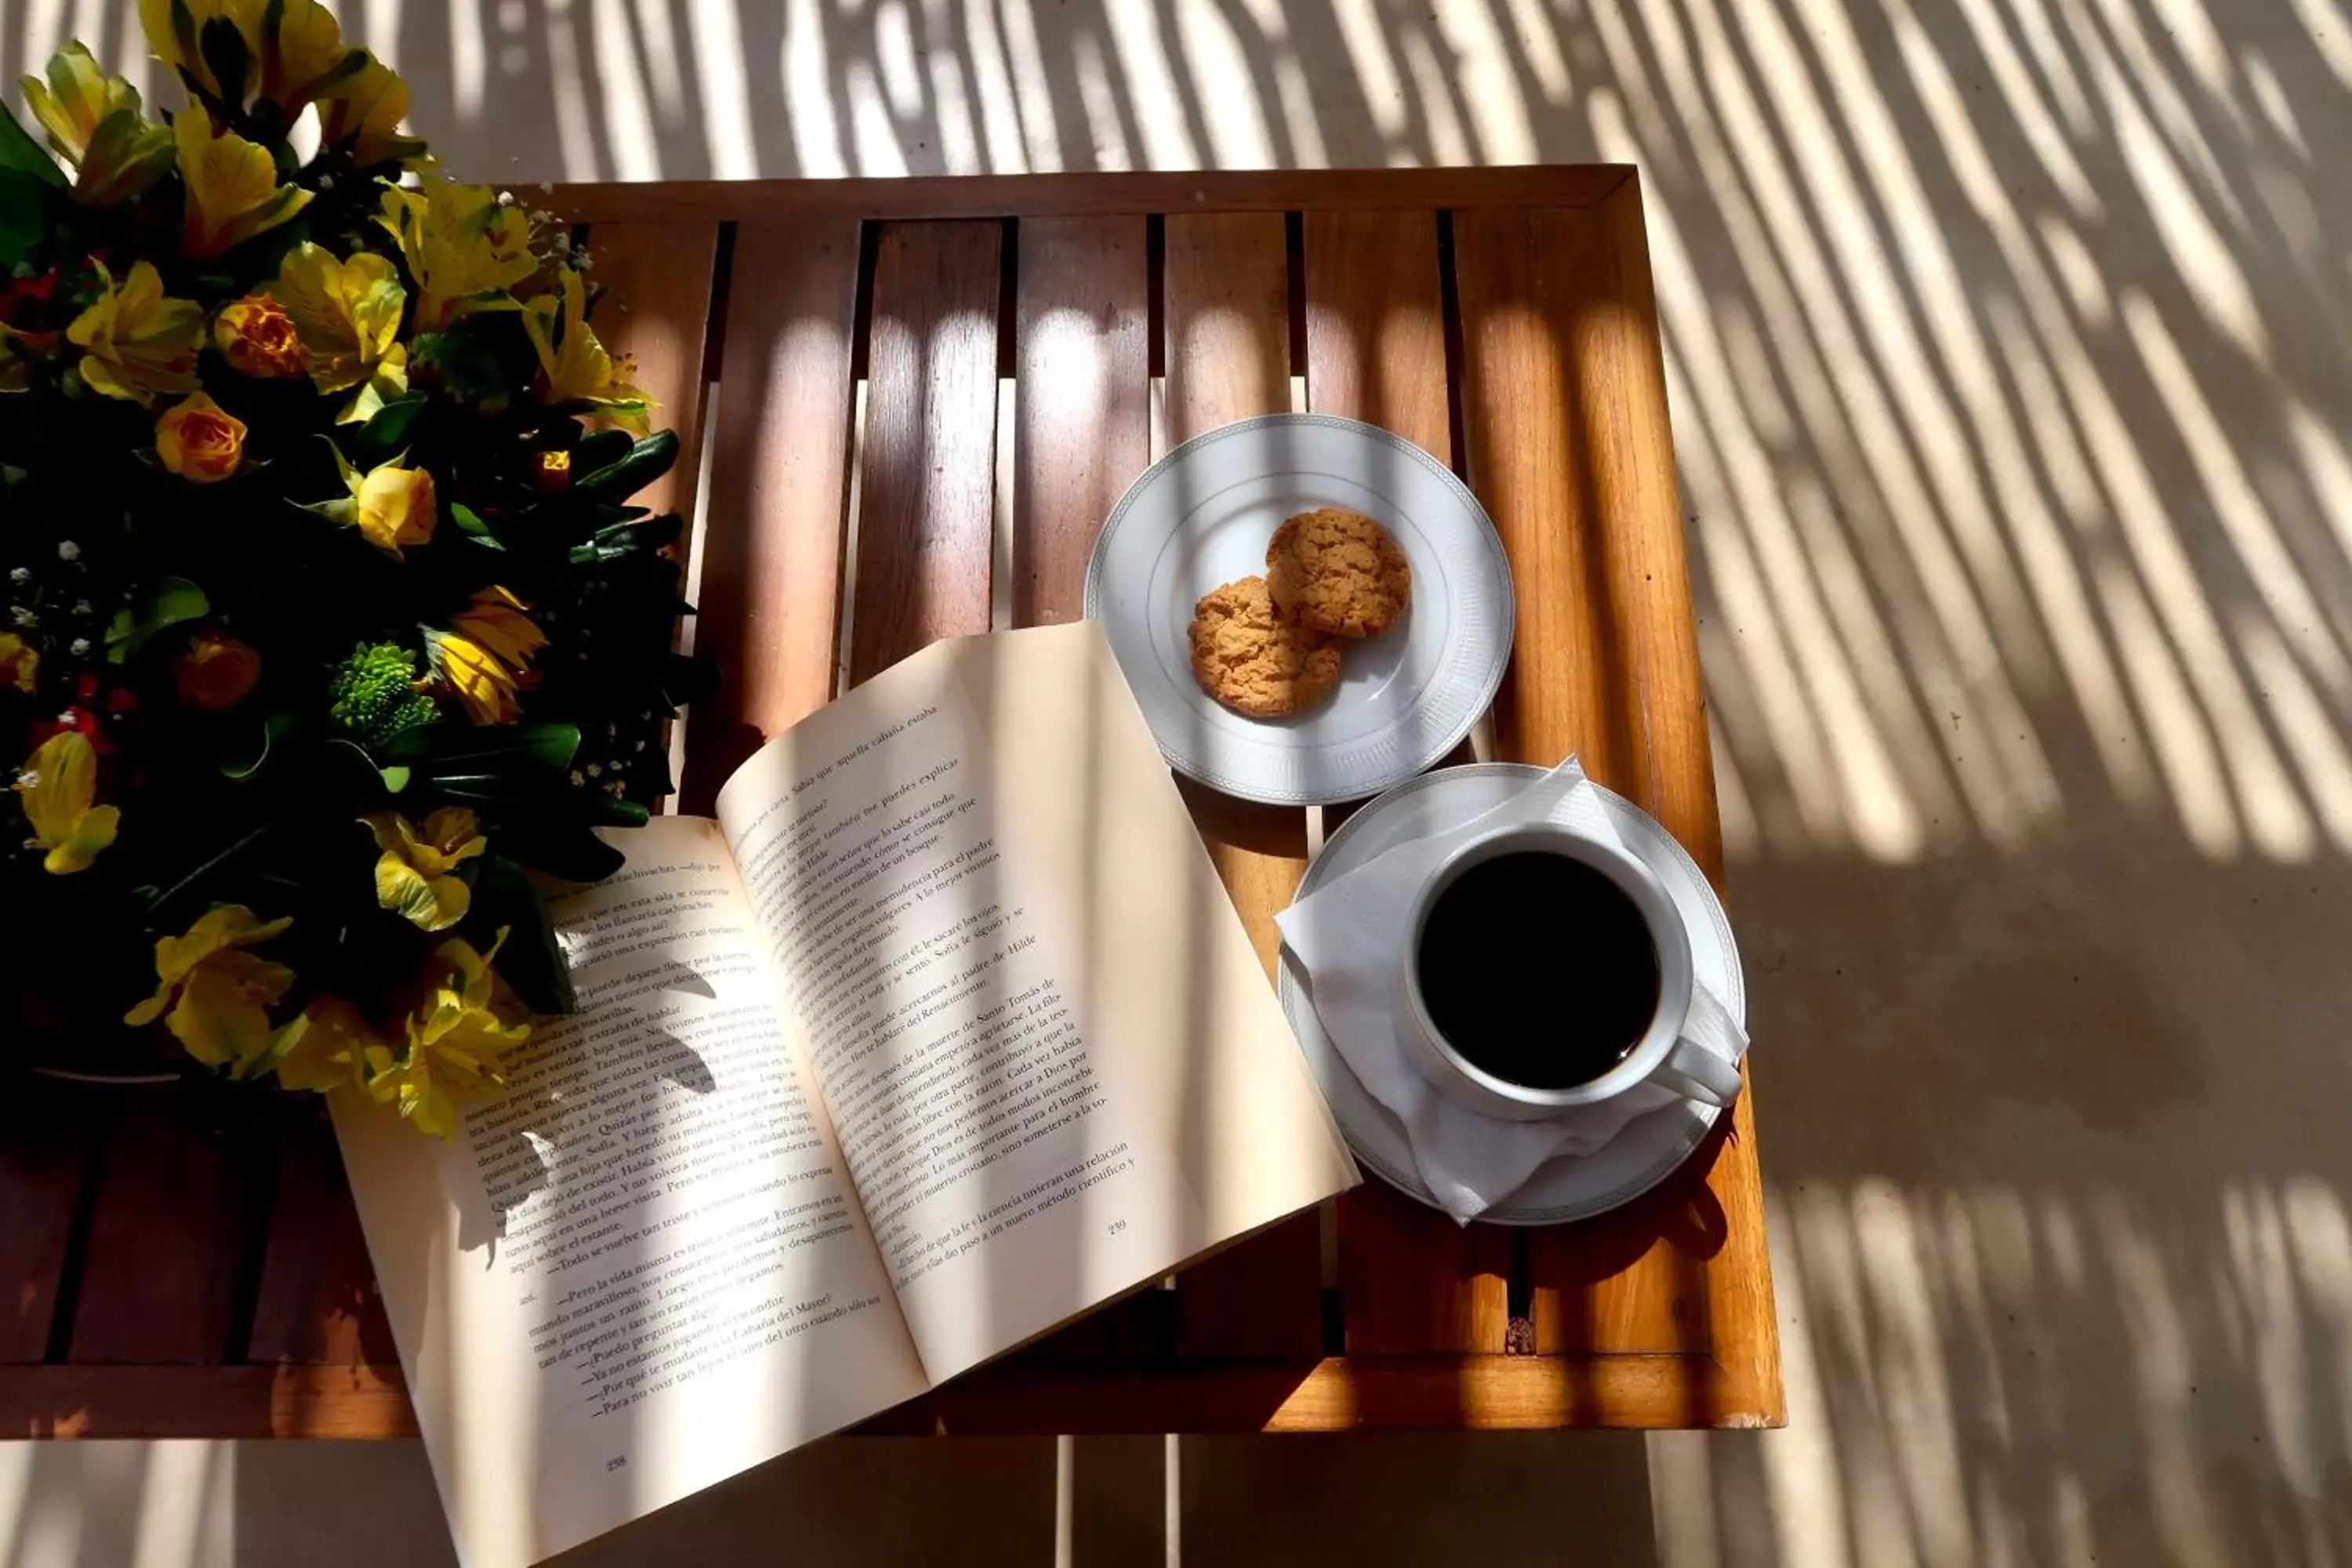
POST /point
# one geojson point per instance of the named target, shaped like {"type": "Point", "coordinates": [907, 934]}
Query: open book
{"type": "Point", "coordinates": [944, 1033]}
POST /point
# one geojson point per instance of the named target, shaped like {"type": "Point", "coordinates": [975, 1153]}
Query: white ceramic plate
{"type": "Point", "coordinates": [1570, 1187]}
{"type": "Point", "coordinates": [1201, 516]}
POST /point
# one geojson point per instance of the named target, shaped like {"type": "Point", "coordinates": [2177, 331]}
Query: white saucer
{"type": "Point", "coordinates": [1572, 1186]}
{"type": "Point", "coordinates": [1202, 517]}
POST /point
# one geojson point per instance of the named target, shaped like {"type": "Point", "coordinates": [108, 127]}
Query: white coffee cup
{"type": "Point", "coordinates": [1663, 1054]}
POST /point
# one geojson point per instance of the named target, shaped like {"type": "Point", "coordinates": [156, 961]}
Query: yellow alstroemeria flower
{"type": "Point", "coordinates": [361, 115]}
{"type": "Point", "coordinates": [93, 122]}
{"type": "Point", "coordinates": [137, 342]}
{"type": "Point", "coordinates": [20, 664]}
{"type": "Point", "coordinates": [218, 993]}
{"type": "Point", "coordinates": [126, 156]}
{"type": "Point", "coordinates": [482, 682]}
{"type": "Point", "coordinates": [500, 623]}
{"type": "Point", "coordinates": [415, 878]}
{"type": "Point", "coordinates": [573, 366]}
{"type": "Point", "coordinates": [456, 1038]}
{"type": "Point", "coordinates": [199, 440]}
{"type": "Point", "coordinates": [303, 53]}
{"type": "Point", "coordinates": [233, 189]}
{"type": "Point", "coordinates": [77, 99]}
{"type": "Point", "coordinates": [59, 789]}
{"type": "Point", "coordinates": [348, 316]}
{"type": "Point", "coordinates": [323, 1047]}
{"type": "Point", "coordinates": [463, 250]}
{"type": "Point", "coordinates": [175, 31]}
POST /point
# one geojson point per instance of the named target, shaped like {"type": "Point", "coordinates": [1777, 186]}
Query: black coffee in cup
{"type": "Point", "coordinates": [1538, 969]}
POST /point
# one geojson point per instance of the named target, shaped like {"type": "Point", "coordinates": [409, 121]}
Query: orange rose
{"type": "Point", "coordinates": [258, 338]}
{"type": "Point", "coordinates": [198, 442]}
{"type": "Point", "coordinates": [216, 672]}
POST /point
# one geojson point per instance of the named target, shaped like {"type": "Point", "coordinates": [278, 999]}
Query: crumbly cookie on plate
{"type": "Point", "coordinates": [1338, 572]}
{"type": "Point", "coordinates": [1254, 662]}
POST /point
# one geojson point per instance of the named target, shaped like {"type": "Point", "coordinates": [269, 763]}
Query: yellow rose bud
{"type": "Point", "coordinates": [551, 472]}
{"type": "Point", "coordinates": [258, 338]}
{"type": "Point", "coordinates": [216, 672]}
{"type": "Point", "coordinates": [396, 508]}
{"type": "Point", "coordinates": [199, 441]}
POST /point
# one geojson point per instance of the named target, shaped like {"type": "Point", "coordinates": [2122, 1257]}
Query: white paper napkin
{"type": "Point", "coordinates": [1349, 935]}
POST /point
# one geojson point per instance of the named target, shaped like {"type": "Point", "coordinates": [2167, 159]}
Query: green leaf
{"type": "Point", "coordinates": [25, 218]}
{"type": "Point", "coordinates": [487, 762]}
{"type": "Point", "coordinates": [227, 56]}
{"type": "Point", "coordinates": [531, 961]}
{"type": "Point", "coordinates": [612, 542]}
{"type": "Point", "coordinates": [389, 428]}
{"type": "Point", "coordinates": [244, 762]}
{"type": "Point", "coordinates": [396, 779]}
{"type": "Point", "coordinates": [20, 151]}
{"type": "Point", "coordinates": [646, 461]}
{"type": "Point", "coordinates": [159, 604]}
{"type": "Point", "coordinates": [570, 850]}
{"type": "Point", "coordinates": [469, 523]}
{"type": "Point", "coordinates": [616, 811]}
{"type": "Point", "coordinates": [598, 449]}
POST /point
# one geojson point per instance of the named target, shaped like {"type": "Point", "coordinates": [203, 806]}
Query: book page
{"type": "Point", "coordinates": [1055, 1064]}
{"type": "Point", "coordinates": [644, 1268]}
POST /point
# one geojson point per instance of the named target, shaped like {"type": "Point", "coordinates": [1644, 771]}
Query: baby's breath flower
{"type": "Point", "coordinates": [78, 647]}
{"type": "Point", "coordinates": [68, 551]}
{"type": "Point", "coordinates": [20, 573]}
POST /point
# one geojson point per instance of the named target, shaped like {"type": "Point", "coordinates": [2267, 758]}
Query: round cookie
{"type": "Point", "coordinates": [1255, 663]}
{"type": "Point", "coordinates": [1338, 572]}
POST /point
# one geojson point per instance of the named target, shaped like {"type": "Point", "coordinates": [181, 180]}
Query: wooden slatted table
{"type": "Point", "coordinates": [911, 403]}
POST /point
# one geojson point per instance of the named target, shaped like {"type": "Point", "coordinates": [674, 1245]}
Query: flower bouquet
{"type": "Point", "coordinates": [326, 625]}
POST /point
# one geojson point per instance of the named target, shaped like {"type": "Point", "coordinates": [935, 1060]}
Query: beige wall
{"type": "Point", "coordinates": [2008, 347]}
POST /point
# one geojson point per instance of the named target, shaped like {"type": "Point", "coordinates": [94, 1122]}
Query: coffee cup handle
{"type": "Point", "coordinates": [1695, 1067]}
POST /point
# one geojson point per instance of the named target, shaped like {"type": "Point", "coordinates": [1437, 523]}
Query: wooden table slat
{"type": "Point", "coordinates": [167, 1236]}
{"type": "Point", "coordinates": [768, 577]}
{"type": "Point", "coordinates": [1526, 280]}
{"type": "Point", "coordinates": [1409, 1278]}
{"type": "Point", "coordinates": [44, 1133]}
{"type": "Point", "coordinates": [1082, 416]}
{"type": "Point", "coordinates": [319, 1303]}
{"type": "Point", "coordinates": [1566, 417]}
{"type": "Point", "coordinates": [657, 313]}
{"type": "Point", "coordinates": [1226, 317]}
{"type": "Point", "coordinates": [1082, 432]}
{"type": "Point", "coordinates": [927, 517]}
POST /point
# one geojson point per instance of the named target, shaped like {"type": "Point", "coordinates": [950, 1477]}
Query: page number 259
{"type": "Point", "coordinates": [1117, 1225]}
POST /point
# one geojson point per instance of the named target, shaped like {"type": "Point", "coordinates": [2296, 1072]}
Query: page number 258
{"type": "Point", "coordinates": [617, 1462]}
{"type": "Point", "coordinates": [1117, 1225]}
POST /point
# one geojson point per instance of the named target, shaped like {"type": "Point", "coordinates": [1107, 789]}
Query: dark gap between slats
{"type": "Point", "coordinates": [861, 341]}
{"type": "Point", "coordinates": [1294, 274]}
{"type": "Point", "coordinates": [1450, 295]}
{"type": "Point", "coordinates": [67, 1304]}
{"type": "Point", "coordinates": [714, 330]}
{"type": "Point", "coordinates": [1519, 1293]}
{"type": "Point", "coordinates": [1008, 306]}
{"type": "Point", "coordinates": [255, 1154]}
{"type": "Point", "coordinates": [1155, 292]}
